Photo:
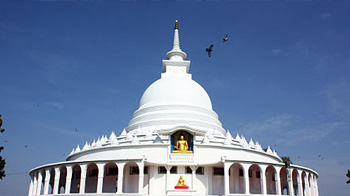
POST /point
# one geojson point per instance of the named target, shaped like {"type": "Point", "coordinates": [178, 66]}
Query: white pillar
{"type": "Point", "coordinates": [35, 182]}
{"type": "Point", "coordinates": [40, 181]}
{"type": "Point", "coordinates": [278, 180]}
{"type": "Point", "coordinates": [56, 180]}
{"type": "Point", "coordinates": [307, 188]}
{"type": "Point", "coordinates": [208, 171]}
{"type": "Point", "coordinates": [263, 179]}
{"type": "Point", "coordinates": [290, 182]}
{"type": "Point", "coordinates": [100, 177]}
{"type": "Point", "coordinates": [312, 185]}
{"type": "Point", "coordinates": [141, 176]}
{"type": "Point", "coordinates": [30, 192]}
{"type": "Point", "coordinates": [168, 168]}
{"type": "Point", "coordinates": [82, 178]}
{"type": "Point", "coordinates": [47, 182]}
{"type": "Point", "coordinates": [68, 179]}
{"type": "Point", "coordinates": [120, 177]}
{"type": "Point", "coordinates": [300, 184]}
{"type": "Point", "coordinates": [246, 177]}
{"type": "Point", "coordinates": [227, 177]}
{"type": "Point", "coordinates": [316, 187]}
{"type": "Point", "coordinates": [193, 176]}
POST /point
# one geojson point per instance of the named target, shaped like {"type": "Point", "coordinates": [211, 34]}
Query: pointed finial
{"type": "Point", "coordinates": [176, 55]}
{"type": "Point", "coordinates": [176, 25]}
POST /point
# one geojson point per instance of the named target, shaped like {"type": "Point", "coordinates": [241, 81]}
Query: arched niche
{"type": "Point", "coordinates": [255, 182]}
{"type": "Point", "coordinates": [284, 181]}
{"type": "Point", "coordinates": [131, 173]}
{"type": "Point", "coordinates": [236, 179]}
{"type": "Point", "coordinates": [62, 180]}
{"type": "Point", "coordinates": [52, 180]}
{"type": "Point", "coordinates": [91, 178]}
{"type": "Point", "coordinates": [75, 179]}
{"type": "Point", "coordinates": [271, 183]}
{"type": "Point", "coordinates": [187, 136]}
{"type": "Point", "coordinates": [303, 177]}
{"type": "Point", "coordinates": [43, 174]}
{"type": "Point", "coordinates": [110, 178]}
{"type": "Point", "coordinates": [295, 176]}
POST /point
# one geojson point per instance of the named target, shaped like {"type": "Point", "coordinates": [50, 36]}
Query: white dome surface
{"type": "Point", "coordinates": [175, 100]}
{"type": "Point", "coordinates": [176, 89]}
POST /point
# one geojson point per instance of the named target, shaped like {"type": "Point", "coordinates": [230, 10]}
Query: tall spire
{"type": "Point", "coordinates": [175, 58]}
{"type": "Point", "coordinates": [176, 53]}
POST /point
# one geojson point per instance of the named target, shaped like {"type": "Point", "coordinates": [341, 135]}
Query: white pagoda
{"type": "Point", "coordinates": [173, 145]}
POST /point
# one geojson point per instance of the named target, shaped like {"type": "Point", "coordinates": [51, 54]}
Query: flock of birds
{"type": "Point", "coordinates": [210, 49]}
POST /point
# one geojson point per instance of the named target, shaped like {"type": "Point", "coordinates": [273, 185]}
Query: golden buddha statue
{"type": "Point", "coordinates": [181, 146]}
{"type": "Point", "coordinates": [181, 182]}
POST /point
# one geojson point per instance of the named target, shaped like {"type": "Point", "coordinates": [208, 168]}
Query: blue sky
{"type": "Point", "coordinates": [73, 71]}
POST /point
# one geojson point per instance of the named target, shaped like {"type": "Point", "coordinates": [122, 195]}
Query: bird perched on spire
{"type": "Point", "coordinates": [225, 39]}
{"type": "Point", "coordinates": [208, 50]}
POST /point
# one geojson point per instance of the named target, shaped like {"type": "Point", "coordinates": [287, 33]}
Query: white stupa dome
{"type": "Point", "coordinates": [176, 89]}
{"type": "Point", "coordinates": [175, 99]}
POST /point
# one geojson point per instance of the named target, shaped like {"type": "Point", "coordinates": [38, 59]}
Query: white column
{"type": "Point", "coordinates": [168, 168]}
{"type": "Point", "coordinates": [82, 178]}
{"type": "Point", "coordinates": [30, 192]}
{"type": "Point", "coordinates": [40, 181]}
{"type": "Point", "coordinates": [307, 188]}
{"type": "Point", "coordinates": [68, 179]}
{"type": "Point", "coordinates": [56, 180]}
{"type": "Point", "coordinates": [312, 185]}
{"type": "Point", "coordinates": [152, 172]}
{"type": "Point", "coordinates": [278, 180]}
{"type": "Point", "coordinates": [300, 184]}
{"type": "Point", "coordinates": [47, 182]}
{"type": "Point", "coordinates": [316, 187]}
{"type": "Point", "coordinates": [290, 182]}
{"type": "Point", "coordinates": [120, 177]}
{"type": "Point", "coordinates": [193, 176]}
{"type": "Point", "coordinates": [35, 182]}
{"type": "Point", "coordinates": [227, 177]}
{"type": "Point", "coordinates": [141, 176]}
{"type": "Point", "coordinates": [263, 179]}
{"type": "Point", "coordinates": [209, 172]}
{"type": "Point", "coordinates": [100, 177]}
{"type": "Point", "coordinates": [246, 177]}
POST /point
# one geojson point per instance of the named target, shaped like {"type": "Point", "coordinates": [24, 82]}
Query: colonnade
{"type": "Point", "coordinates": [268, 179]}
{"type": "Point", "coordinates": [81, 178]}
{"type": "Point", "coordinates": [240, 178]}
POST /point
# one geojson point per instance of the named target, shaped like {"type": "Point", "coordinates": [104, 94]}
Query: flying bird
{"type": "Point", "coordinates": [209, 50]}
{"type": "Point", "coordinates": [225, 39]}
